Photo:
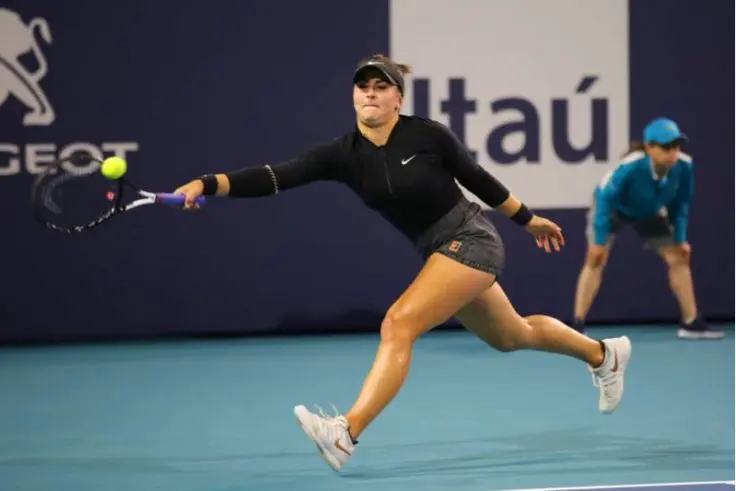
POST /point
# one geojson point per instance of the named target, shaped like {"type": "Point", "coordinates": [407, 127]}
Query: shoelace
{"type": "Point", "coordinates": [327, 416]}
{"type": "Point", "coordinates": [326, 422]}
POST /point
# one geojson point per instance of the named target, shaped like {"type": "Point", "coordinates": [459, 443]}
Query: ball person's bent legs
{"type": "Point", "coordinates": [680, 280]}
{"type": "Point", "coordinates": [589, 280]}
{"type": "Point", "coordinates": [692, 326]}
{"type": "Point", "coordinates": [658, 235]}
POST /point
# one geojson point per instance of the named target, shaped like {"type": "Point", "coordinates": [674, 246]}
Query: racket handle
{"type": "Point", "coordinates": [175, 199]}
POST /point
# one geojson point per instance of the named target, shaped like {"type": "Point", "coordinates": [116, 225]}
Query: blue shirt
{"type": "Point", "coordinates": [635, 192]}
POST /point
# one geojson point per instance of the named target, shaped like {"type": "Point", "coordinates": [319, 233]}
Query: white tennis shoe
{"type": "Point", "coordinates": [609, 377]}
{"type": "Point", "coordinates": [329, 434]}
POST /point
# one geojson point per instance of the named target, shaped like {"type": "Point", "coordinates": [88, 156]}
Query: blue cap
{"type": "Point", "coordinates": [663, 131]}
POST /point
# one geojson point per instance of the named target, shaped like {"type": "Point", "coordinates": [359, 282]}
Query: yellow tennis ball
{"type": "Point", "coordinates": [113, 167]}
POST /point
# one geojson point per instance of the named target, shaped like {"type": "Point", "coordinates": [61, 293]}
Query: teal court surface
{"type": "Point", "coordinates": [216, 415]}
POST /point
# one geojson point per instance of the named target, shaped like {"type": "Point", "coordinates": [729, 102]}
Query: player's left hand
{"type": "Point", "coordinates": [547, 234]}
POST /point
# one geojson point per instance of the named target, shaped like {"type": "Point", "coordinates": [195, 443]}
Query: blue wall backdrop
{"type": "Point", "coordinates": [219, 85]}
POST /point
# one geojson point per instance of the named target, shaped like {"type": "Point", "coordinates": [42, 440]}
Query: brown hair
{"type": "Point", "coordinates": [634, 146]}
{"type": "Point", "coordinates": [403, 69]}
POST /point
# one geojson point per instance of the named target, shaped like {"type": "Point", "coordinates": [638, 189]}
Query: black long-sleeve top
{"type": "Point", "coordinates": [410, 181]}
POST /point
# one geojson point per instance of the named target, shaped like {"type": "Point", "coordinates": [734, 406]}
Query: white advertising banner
{"type": "Point", "coordinates": [537, 89]}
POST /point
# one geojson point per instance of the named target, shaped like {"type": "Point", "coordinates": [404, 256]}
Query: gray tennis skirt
{"type": "Point", "coordinates": [467, 236]}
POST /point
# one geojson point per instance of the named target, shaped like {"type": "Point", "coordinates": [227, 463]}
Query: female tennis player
{"type": "Point", "coordinates": [650, 189]}
{"type": "Point", "coordinates": [404, 168]}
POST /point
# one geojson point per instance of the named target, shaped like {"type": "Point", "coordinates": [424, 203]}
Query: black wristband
{"type": "Point", "coordinates": [210, 184]}
{"type": "Point", "coordinates": [523, 216]}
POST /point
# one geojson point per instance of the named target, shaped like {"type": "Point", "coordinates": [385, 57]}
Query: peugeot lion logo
{"type": "Point", "coordinates": [17, 39]}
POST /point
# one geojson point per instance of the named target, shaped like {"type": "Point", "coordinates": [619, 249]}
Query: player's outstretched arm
{"type": "Point", "coordinates": [318, 164]}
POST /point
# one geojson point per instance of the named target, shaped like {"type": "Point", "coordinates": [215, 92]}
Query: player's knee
{"type": "Point", "coordinates": [397, 326]}
{"type": "Point", "coordinates": [507, 344]}
{"type": "Point", "coordinates": [515, 337]}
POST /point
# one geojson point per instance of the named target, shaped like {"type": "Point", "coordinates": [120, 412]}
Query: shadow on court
{"type": "Point", "coordinates": [551, 452]}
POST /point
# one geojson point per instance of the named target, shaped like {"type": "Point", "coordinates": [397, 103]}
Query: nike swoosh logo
{"type": "Point", "coordinates": [615, 362]}
{"type": "Point", "coordinates": [406, 161]}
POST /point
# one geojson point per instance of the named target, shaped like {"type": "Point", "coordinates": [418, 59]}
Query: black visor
{"type": "Point", "coordinates": [382, 71]}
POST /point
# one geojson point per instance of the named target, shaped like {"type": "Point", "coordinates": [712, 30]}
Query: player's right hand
{"type": "Point", "coordinates": [547, 234]}
{"type": "Point", "coordinates": [191, 190]}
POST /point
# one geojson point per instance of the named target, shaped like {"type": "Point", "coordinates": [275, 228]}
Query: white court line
{"type": "Point", "coordinates": [619, 486]}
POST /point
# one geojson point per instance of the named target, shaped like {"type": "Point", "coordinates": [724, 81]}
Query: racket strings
{"type": "Point", "coordinates": [72, 195]}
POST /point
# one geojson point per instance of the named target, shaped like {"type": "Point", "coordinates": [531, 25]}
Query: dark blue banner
{"type": "Point", "coordinates": [220, 85]}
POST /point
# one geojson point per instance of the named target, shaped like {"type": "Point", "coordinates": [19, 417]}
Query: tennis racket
{"type": "Point", "coordinates": [72, 195]}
